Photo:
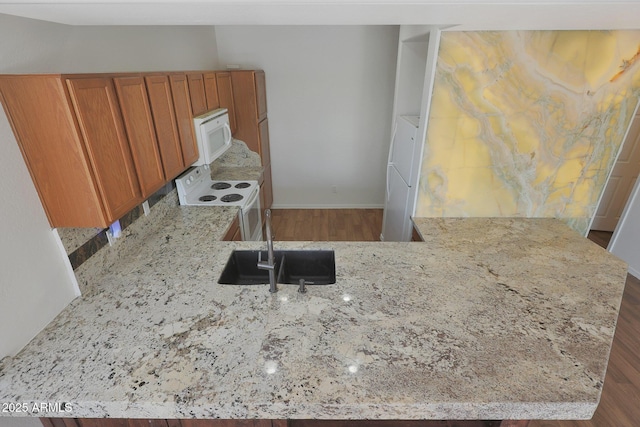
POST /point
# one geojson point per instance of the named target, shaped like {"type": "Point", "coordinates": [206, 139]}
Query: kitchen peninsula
{"type": "Point", "coordinates": [485, 319]}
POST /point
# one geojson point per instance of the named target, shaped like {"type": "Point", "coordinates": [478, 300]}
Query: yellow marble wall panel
{"type": "Point", "coordinates": [527, 123]}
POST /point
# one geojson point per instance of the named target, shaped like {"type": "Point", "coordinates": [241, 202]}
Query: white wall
{"type": "Point", "coordinates": [625, 241]}
{"type": "Point", "coordinates": [34, 286]}
{"type": "Point", "coordinates": [329, 98]}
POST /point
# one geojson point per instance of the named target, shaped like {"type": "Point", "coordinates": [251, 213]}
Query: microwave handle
{"type": "Point", "coordinates": [227, 131]}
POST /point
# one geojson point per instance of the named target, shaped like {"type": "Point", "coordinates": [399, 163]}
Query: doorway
{"type": "Point", "coordinates": [621, 181]}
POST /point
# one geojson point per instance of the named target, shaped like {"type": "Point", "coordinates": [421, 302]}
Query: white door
{"type": "Point", "coordinates": [621, 182]}
{"type": "Point", "coordinates": [396, 222]}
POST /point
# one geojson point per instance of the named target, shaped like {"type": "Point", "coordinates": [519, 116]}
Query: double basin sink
{"type": "Point", "coordinates": [316, 267]}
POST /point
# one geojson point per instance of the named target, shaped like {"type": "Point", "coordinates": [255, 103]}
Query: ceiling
{"type": "Point", "coordinates": [460, 14]}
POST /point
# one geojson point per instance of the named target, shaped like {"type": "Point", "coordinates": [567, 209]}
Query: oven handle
{"type": "Point", "coordinates": [253, 199]}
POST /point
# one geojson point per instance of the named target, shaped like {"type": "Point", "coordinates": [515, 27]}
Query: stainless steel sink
{"type": "Point", "coordinates": [316, 267]}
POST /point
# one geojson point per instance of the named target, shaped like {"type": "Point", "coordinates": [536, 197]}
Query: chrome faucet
{"type": "Point", "coordinates": [270, 264]}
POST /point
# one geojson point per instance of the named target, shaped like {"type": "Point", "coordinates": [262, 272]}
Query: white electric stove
{"type": "Point", "coordinates": [196, 188]}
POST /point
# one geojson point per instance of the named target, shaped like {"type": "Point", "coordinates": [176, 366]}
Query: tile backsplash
{"type": "Point", "coordinates": [81, 243]}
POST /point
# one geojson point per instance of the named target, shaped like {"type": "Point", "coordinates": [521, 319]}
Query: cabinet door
{"type": "Point", "coordinates": [136, 114]}
{"type": "Point", "coordinates": [53, 149]}
{"type": "Point", "coordinates": [96, 107]}
{"type": "Point", "coordinates": [164, 118]}
{"type": "Point", "coordinates": [184, 118]}
{"type": "Point", "coordinates": [261, 95]}
{"type": "Point", "coordinates": [233, 232]}
{"type": "Point", "coordinates": [246, 108]}
{"type": "Point", "coordinates": [225, 95]}
{"type": "Point", "coordinates": [211, 91]}
{"type": "Point", "coordinates": [197, 94]}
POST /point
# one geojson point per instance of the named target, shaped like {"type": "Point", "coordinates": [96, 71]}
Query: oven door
{"type": "Point", "coordinates": [251, 218]}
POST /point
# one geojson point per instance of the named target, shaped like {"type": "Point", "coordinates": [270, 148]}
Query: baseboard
{"type": "Point", "coordinates": [635, 273]}
{"type": "Point", "coordinates": [279, 206]}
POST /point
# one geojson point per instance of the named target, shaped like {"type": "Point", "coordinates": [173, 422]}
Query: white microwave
{"type": "Point", "coordinates": [213, 134]}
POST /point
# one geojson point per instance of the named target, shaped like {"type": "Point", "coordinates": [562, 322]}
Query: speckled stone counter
{"type": "Point", "coordinates": [238, 163]}
{"type": "Point", "coordinates": [487, 319]}
{"type": "Point", "coordinates": [237, 173]}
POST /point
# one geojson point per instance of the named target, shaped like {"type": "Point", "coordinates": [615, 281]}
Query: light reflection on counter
{"type": "Point", "coordinates": [271, 367]}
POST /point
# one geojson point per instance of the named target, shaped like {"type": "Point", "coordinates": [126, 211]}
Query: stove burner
{"type": "Point", "coordinates": [242, 185]}
{"type": "Point", "coordinates": [221, 186]}
{"type": "Point", "coordinates": [207, 198]}
{"type": "Point", "coordinates": [231, 198]}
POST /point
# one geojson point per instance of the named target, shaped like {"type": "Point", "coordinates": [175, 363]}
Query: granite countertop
{"type": "Point", "coordinates": [252, 173]}
{"type": "Point", "coordinates": [487, 319]}
{"type": "Point", "coordinates": [238, 163]}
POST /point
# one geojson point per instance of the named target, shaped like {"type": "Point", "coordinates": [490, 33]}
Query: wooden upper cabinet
{"type": "Point", "coordinates": [250, 98]}
{"type": "Point", "coordinates": [98, 115]}
{"type": "Point", "coordinates": [53, 149]}
{"type": "Point", "coordinates": [225, 95]}
{"type": "Point", "coordinates": [251, 106]}
{"type": "Point", "coordinates": [184, 117]}
{"type": "Point", "coordinates": [164, 118]}
{"type": "Point", "coordinates": [136, 114]}
{"type": "Point", "coordinates": [197, 93]}
{"type": "Point", "coordinates": [211, 91]}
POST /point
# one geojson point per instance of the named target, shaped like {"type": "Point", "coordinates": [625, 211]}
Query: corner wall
{"type": "Point", "coordinates": [34, 285]}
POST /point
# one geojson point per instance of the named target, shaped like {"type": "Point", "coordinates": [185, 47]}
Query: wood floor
{"type": "Point", "coordinates": [620, 402]}
{"type": "Point", "coordinates": [602, 238]}
{"type": "Point", "coordinates": [356, 225]}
